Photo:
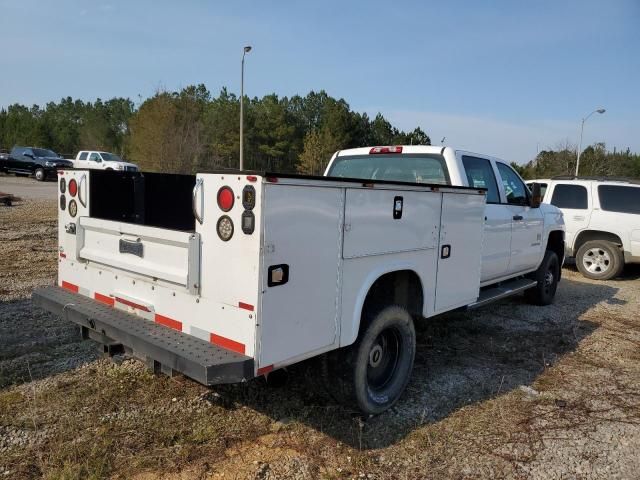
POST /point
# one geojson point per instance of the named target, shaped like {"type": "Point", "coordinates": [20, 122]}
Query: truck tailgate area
{"type": "Point", "coordinates": [166, 349]}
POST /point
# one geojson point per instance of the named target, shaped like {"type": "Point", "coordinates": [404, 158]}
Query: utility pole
{"type": "Point", "coordinates": [246, 50]}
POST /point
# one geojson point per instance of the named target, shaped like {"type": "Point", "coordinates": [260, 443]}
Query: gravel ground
{"type": "Point", "coordinates": [509, 391]}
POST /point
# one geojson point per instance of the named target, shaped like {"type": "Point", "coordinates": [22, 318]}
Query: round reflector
{"type": "Point", "coordinates": [225, 199]}
{"type": "Point", "coordinates": [73, 187]}
{"type": "Point", "coordinates": [73, 206]}
{"type": "Point", "coordinates": [63, 185]}
{"type": "Point", "coordinates": [225, 228]}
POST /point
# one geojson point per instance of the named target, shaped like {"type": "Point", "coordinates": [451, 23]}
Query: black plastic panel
{"type": "Point", "coordinates": [160, 200]}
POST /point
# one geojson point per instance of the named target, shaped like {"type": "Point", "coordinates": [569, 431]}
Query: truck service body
{"type": "Point", "coordinates": [227, 276]}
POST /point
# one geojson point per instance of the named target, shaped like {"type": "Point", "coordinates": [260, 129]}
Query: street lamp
{"type": "Point", "coordinates": [246, 50]}
{"type": "Point", "coordinates": [599, 110]}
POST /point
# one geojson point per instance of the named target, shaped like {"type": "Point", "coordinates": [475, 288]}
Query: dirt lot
{"type": "Point", "coordinates": [27, 187]}
{"type": "Point", "coordinates": [509, 391]}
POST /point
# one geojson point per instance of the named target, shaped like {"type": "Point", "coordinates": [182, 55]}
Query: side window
{"type": "Point", "coordinates": [480, 175]}
{"type": "Point", "coordinates": [570, 196]}
{"type": "Point", "coordinates": [94, 157]}
{"type": "Point", "coordinates": [614, 198]}
{"type": "Point", "coordinates": [514, 187]}
{"type": "Point", "coordinates": [83, 155]}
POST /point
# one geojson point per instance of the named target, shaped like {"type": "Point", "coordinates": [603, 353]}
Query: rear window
{"type": "Point", "coordinates": [413, 168]}
{"type": "Point", "coordinates": [83, 155]}
{"type": "Point", "coordinates": [570, 196]}
{"type": "Point", "coordinates": [614, 198]}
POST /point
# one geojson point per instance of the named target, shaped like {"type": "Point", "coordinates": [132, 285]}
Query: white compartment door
{"type": "Point", "coordinates": [302, 234]}
{"type": "Point", "coordinates": [381, 221]}
{"type": "Point", "coordinates": [157, 253]}
{"type": "Point", "coordinates": [460, 250]}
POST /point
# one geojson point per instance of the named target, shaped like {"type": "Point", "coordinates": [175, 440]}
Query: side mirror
{"type": "Point", "coordinates": [536, 195]}
{"type": "Point", "coordinates": [30, 155]}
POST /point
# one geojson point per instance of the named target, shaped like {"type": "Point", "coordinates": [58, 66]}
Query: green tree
{"type": "Point", "coordinates": [319, 146]}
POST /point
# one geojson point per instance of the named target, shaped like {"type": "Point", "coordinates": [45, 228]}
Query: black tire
{"type": "Point", "coordinates": [547, 277]}
{"type": "Point", "coordinates": [600, 260]}
{"type": "Point", "coordinates": [373, 372]}
{"type": "Point", "coordinates": [40, 174]}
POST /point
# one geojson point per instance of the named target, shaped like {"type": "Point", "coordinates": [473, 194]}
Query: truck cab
{"type": "Point", "coordinates": [102, 161]}
{"type": "Point", "coordinates": [516, 233]}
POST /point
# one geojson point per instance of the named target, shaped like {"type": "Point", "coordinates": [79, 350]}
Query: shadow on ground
{"type": "Point", "coordinates": [462, 358]}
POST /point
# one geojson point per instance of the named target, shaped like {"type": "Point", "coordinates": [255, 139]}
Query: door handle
{"type": "Point", "coordinates": [194, 201]}
{"type": "Point", "coordinates": [517, 218]}
{"type": "Point", "coordinates": [83, 183]}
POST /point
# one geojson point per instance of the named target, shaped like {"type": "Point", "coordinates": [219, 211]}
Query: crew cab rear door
{"type": "Point", "coordinates": [527, 224]}
{"type": "Point", "coordinates": [496, 248]}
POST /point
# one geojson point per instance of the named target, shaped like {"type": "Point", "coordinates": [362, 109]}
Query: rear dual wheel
{"type": "Point", "coordinates": [373, 372]}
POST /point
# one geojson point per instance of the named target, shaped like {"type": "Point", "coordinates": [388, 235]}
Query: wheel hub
{"type": "Point", "coordinates": [596, 260]}
{"type": "Point", "coordinates": [375, 355]}
{"type": "Point", "coordinates": [548, 278]}
{"type": "Point", "coordinates": [383, 358]}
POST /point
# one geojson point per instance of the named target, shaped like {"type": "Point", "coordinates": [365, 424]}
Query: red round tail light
{"type": "Point", "coordinates": [73, 187]}
{"type": "Point", "coordinates": [225, 198]}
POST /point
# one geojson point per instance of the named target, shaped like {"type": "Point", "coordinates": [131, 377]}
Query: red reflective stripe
{"type": "Point", "coordinates": [168, 322]}
{"type": "Point", "coordinates": [227, 343]}
{"type": "Point", "coordinates": [245, 306]}
{"type": "Point", "coordinates": [104, 299]}
{"type": "Point", "coordinates": [263, 370]}
{"type": "Point", "coordinates": [132, 304]}
{"type": "Point", "coordinates": [63, 255]}
{"type": "Point", "coordinates": [70, 286]}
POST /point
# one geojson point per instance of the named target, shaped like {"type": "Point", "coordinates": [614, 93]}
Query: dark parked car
{"type": "Point", "coordinates": [39, 162]}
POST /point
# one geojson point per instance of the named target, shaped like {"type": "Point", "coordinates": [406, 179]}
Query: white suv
{"type": "Point", "coordinates": [602, 217]}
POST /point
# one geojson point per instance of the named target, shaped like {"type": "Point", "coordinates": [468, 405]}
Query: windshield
{"type": "Point", "coordinates": [413, 168]}
{"type": "Point", "coordinates": [110, 157]}
{"type": "Point", "coordinates": [43, 152]}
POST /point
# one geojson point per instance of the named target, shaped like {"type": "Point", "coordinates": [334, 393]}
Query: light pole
{"type": "Point", "coordinates": [246, 50]}
{"type": "Point", "coordinates": [599, 110]}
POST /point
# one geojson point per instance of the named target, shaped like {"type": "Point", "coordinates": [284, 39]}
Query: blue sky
{"type": "Point", "coordinates": [501, 77]}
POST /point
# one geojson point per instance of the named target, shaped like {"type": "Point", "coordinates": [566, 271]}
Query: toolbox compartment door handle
{"type": "Point", "coordinates": [82, 188]}
{"type": "Point", "coordinates": [194, 204]}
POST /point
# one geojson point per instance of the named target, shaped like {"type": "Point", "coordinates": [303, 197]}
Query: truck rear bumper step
{"type": "Point", "coordinates": [172, 350]}
{"type": "Point", "coordinates": [503, 290]}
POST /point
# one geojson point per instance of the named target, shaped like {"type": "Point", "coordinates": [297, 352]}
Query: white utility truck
{"type": "Point", "coordinates": [227, 276]}
{"type": "Point", "coordinates": [102, 161]}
